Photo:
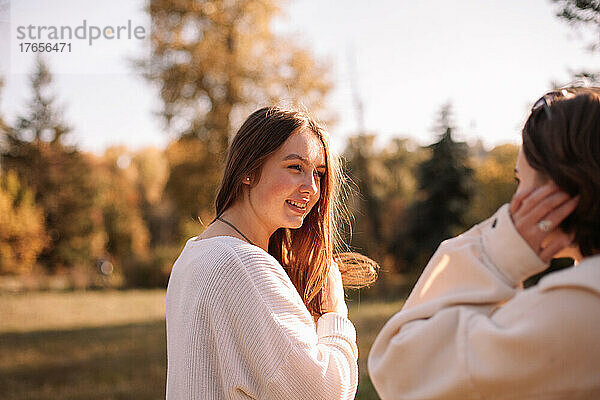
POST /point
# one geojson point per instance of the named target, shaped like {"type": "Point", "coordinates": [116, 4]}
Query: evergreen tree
{"type": "Point", "coordinates": [4, 132]}
{"type": "Point", "coordinates": [60, 176]}
{"type": "Point", "coordinates": [386, 185]}
{"type": "Point", "coordinates": [3, 125]}
{"type": "Point", "coordinates": [584, 13]}
{"type": "Point", "coordinates": [363, 163]}
{"type": "Point", "coordinates": [581, 12]}
{"type": "Point", "coordinates": [43, 121]}
{"type": "Point", "coordinates": [444, 192]}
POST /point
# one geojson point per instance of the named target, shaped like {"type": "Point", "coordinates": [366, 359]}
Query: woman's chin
{"type": "Point", "coordinates": [294, 223]}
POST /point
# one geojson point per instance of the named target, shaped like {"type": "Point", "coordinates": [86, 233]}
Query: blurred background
{"type": "Point", "coordinates": [110, 154]}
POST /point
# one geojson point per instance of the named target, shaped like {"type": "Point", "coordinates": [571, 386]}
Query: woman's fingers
{"type": "Point", "coordinates": [535, 205]}
{"type": "Point", "coordinates": [554, 246]}
{"type": "Point", "coordinates": [517, 200]}
{"type": "Point", "coordinates": [546, 206]}
{"type": "Point", "coordinates": [537, 215]}
{"type": "Point", "coordinates": [535, 196]}
{"type": "Point", "coordinates": [561, 212]}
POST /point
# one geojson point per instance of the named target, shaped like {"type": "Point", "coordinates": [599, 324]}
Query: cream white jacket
{"type": "Point", "coordinates": [469, 331]}
{"type": "Point", "coordinates": [237, 329]}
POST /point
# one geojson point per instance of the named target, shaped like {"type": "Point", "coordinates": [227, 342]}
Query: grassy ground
{"type": "Point", "coordinates": [369, 318]}
{"type": "Point", "coordinates": [110, 345]}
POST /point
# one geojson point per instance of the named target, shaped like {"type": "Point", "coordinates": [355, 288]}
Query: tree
{"type": "Point", "coordinates": [3, 125]}
{"type": "Point", "coordinates": [152, 167]}
{"type": "Point", "coordinates": [59, 175]}
{"type": "Point", "coordinates": [22, 235]}
{"type": "Point", "coordinates": [583, 13]}
{"type": "Point", "coordinates": [43, 121]}
{"type": "Point", "coordinates": [132, 186]}
{"type": "Point", "coordinates": [192, 183]}
{"type": "Point", "coordinates": [386, 186]}
{"type": "Point", "coordinates": [4, 130]}
{"type": "Point", "coordinates": [215, 62]}
{"type": "Point", "coordinates": [494, 182]}
{"type": "Point", "coordinates": [363, 163]}
{"type": "Point", "coordinates": [444, 192]}
{"type": "Point", "coordinates": [215, 58]}
{"type": "Point", "coordinates": [127, 235]}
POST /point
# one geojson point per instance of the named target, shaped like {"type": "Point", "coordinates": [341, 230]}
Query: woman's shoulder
{"type": "Point", "coordinates": [231, 246]}
{"type": "Point", "coordinates": [228, 252]}
{"type": "Point", "coordinates": [224, 259]}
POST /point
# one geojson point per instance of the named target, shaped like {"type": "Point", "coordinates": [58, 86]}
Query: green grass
{"type": "Point", "coordinates": [369, 318]}
{"type": "Point", "coordinates": [111, 345]}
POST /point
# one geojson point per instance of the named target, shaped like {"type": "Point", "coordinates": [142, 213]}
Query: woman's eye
{"type": "Point", "coordinates": [321, 175]}
{"type": "Point", "coordinates": [296, 167]}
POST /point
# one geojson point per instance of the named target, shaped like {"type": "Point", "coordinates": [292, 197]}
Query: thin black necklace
{"type": "Point", "coordinates": [236, 229]}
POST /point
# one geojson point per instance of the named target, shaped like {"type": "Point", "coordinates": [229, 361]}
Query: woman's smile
{"type": "Point", "coordinates": [297, 206]}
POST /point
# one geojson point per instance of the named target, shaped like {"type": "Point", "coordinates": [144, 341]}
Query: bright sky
{"type": "Point", "coordinates": [490, 58]}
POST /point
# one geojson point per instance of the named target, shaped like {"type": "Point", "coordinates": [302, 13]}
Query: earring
{"type": "Point", "coordinates": [247, 179]}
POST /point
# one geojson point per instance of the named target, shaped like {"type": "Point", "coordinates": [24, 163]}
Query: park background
{"type": "Point", "coordinates": [108, 167]}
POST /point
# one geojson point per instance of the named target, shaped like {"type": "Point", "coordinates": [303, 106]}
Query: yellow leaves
{"type": "Point", "coordinates": [183, 150]}
{"type": "Point", "coordinates": [492, 170]}
{"type": "Point", "coordinates": [22, 235]}
{"type": "Point", "coordinates": [153, 172]}
{"type": "Point", "coordinates": [494, 182]}
{"type": "Point", "coordinates": [215, 57]}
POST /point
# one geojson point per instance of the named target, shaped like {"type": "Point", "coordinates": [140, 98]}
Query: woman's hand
{"type": "Point", "coordinates": [537, 213]}
{"type": "Point", "coordinates": [334, 292]}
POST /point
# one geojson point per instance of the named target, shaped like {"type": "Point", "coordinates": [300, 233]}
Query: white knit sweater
{"type": "Point", "coordinates": [237, 329]}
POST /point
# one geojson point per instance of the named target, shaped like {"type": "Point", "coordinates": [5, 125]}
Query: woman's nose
{"type": "Point", "coordinates": [310, 184]}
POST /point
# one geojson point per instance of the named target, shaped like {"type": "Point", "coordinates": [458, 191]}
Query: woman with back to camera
{"type": "Point", "coordinates": [468, 330]}
{"type": "Point", "coordinates": [244, 296]}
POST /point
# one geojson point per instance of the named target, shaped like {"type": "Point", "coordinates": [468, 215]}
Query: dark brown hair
{"type": "Point", "coordinates": [305, 253]}
{"type": "Point", "coordinates": [562, 142]}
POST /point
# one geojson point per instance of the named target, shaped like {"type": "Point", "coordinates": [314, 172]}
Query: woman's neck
{"type": "Point", "coordinates": [248, 224]}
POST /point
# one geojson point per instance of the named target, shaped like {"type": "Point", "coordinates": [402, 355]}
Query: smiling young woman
{"type": "Point", "coordinates": [255, 304]}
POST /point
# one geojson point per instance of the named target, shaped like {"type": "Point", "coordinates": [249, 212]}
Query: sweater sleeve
{"type": "Point", "coordinates": [321, 369]}
{"type": "Point", "coordinates": [282, 353]}
{"type": "Point", "coordinates": [468, 331]}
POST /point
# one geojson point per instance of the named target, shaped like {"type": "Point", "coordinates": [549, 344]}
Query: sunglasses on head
{"type": "Point", "coordinates": [547, 99]}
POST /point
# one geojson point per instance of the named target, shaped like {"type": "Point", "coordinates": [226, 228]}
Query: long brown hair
{"type": "Point", "coordinates": [562, 142]}
{"type": "Point", "coordinates": [305, 253]}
